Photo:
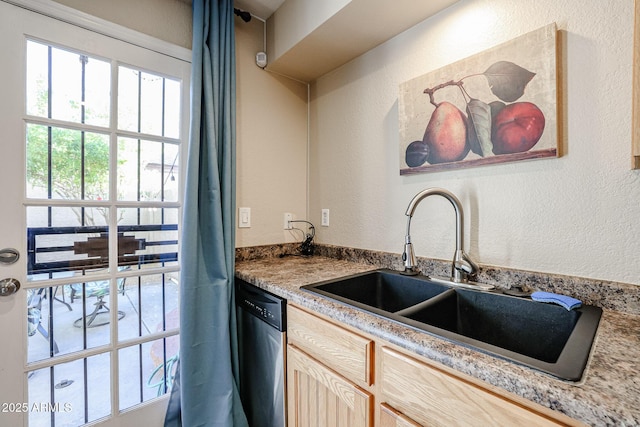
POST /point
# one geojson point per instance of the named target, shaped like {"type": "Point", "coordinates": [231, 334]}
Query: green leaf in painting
{"type": "Point", "coordinates": [508, 80]}
{"type": "Point", "coordinates": [479, 127]}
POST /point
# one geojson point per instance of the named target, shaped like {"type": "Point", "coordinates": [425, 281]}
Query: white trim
{"type": "Point", "coordinates": [80, 19]}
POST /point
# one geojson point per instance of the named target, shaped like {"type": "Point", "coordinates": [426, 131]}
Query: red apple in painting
{"type": "Point", "coordinates": [446, 134]}
{"type": "Point", "coordinates": [517, 128]}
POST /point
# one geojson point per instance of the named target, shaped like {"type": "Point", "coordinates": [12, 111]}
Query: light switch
{"type": "Point", "coordinates": [244, 217]}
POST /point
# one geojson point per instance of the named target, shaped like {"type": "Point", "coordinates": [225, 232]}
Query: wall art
{"type": "Point", "coordinates": [497, 106]}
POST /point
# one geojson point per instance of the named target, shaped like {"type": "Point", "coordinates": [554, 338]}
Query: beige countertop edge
{"type": "Point", "coordinates": [609, 393]}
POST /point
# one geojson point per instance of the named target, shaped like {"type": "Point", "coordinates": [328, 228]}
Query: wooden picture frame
{"type": "Point", "coordinates": [635, 121]}
{"type": "Point", "coordinates": [496, 106]}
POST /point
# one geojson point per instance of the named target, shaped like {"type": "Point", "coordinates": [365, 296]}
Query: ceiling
{"type": "Point", "coordinates": [261, 9]}
{"type": "Point", "coordinates": [309, 50]}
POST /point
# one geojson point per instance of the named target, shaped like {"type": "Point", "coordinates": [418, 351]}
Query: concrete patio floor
{"type": "Point", "coordinates": [137, 363]}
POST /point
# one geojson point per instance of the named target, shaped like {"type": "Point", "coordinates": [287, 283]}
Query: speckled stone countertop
{"type": "Point", "coordinates": [608, 394]}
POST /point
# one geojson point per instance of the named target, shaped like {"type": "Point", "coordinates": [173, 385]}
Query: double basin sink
{"type": "Point", "coordinates": [546, 337]}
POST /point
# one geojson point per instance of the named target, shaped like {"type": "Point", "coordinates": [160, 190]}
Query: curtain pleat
{"type": "Point", "coordinates": [207, 388]}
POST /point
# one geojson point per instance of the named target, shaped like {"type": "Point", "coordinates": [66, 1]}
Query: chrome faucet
{"type": "Point", "coordinates": [462, 266]}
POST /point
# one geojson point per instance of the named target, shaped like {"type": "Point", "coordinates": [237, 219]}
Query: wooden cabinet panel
{"type": "Point", "coordinates": [343, 351]}
{"type": "Point", "coordinates": [318, 397]}
{"type": "Point", "coordinates": [389, 417]}
{"type": "Point", "coordinates": [433, 397]}
{"type": "Point", "coordinates": [331, 382]}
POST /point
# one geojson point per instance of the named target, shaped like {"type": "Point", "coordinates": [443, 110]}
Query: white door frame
{"type": "Point", "coordinates": [12, 308]}
{"type": "Point", "coordinates": [97, 25]}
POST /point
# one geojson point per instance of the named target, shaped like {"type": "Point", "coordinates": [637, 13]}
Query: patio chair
{"type": "Point", "coordinates": [98, 289]}
{"type": "Point", "coordinates": [34, 316]}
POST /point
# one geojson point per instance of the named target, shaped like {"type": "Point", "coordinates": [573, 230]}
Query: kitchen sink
{"type": "Point", "coordinates": [546, 337]}
{"type": "Point", "coordinates": [379, 290]}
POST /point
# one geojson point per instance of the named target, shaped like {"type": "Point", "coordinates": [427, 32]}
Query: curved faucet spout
{"type": "Point", "coordinates": [457, 206]}
{"type": "Point", "coordinates": [462, 266]}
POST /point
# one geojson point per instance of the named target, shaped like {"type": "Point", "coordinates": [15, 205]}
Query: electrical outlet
{"type": "Point", "coordinates": [325, 218]}
{"type": "Point", "coordinates": [287, 218]}
{"type": "Point", "coordinates": [244, 217]}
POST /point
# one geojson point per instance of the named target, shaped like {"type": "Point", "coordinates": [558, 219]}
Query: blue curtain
{"type": "Point", "coordinates": [206, 386]}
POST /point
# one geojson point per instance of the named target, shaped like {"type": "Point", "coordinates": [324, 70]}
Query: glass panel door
{"type": "Point", "coordinates": [96, 129]}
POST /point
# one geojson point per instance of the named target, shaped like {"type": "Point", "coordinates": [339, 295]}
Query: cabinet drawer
{"type": "Point", "coordinates": [432, 396]}
{"type": "Point", "coordinates": [389, 417]}
{"type": "Point", "coordinates": [343, 351]}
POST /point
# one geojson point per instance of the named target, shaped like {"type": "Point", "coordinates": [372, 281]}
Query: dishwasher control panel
{"type": "Point", "coordinates": [266, 306]}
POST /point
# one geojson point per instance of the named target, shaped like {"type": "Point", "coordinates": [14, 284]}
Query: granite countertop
{"type": "Point", "coordinates": [608, 394]}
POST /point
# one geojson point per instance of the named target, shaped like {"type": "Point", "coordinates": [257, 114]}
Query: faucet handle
{"type": "Point", "coordinates": [463, 266]}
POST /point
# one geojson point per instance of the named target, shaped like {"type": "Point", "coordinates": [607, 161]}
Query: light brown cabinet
{"type": "Point", "coordinates": [389, 417]}
{"type": "Point", "coordinates": [325, 367]}
{"type": "Point", "coordinates": [319, 397]}
{"type": "Point", "coordinates": [434, 397]}
{"type": "Point", "coordinates": [349, 354]}
{"type": "Point", "coordinates": [340, 377]}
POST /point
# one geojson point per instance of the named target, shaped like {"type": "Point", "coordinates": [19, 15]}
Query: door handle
{"type": "Point", "coordinates": [9, 255]}
{"type": "Point", "coordinates": [9, 287]}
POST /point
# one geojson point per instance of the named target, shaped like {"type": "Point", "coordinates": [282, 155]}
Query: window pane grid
{"type": "Point", "coordinates": [150, 302]}
{"type": "Point", "coordinates": [67, 86]}
{"type": "Point", "coordinates": [147, 170]}
{"type": "Point", "coordinates": [66, 164]}
{"type": "Point", "coordinates": [70, 393]}
{"type": "Point", "coordinates": [148, 103]}
{"type": "Point", "coordinates": [79, 157]}
{"type": "Point", "coordinates": [157, 365]}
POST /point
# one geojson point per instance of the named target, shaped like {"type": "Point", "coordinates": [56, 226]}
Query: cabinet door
{"type": "Point", "coordinates": [389, 417]}
{"type": "Point", "coordinates": [319, 397]}
{"type": "Point", "coordinates": [436, 398]}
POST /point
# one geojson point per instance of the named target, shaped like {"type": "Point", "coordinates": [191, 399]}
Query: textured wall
{"type": "Point", "coordinates": [168, 20]}
{"type": "Point", "coordinates": [271, 144]}
{"type": "Point", "coordinates": [576, 215]}
{"type": "Point", "coordinates": [295, 19]}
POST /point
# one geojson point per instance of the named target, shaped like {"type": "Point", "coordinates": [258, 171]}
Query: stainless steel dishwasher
{"type": "Point", "coordinates": [262, 342]}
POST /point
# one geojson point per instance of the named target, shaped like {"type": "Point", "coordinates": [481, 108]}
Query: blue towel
{"type": "Point", "coordinates": [563, 300]}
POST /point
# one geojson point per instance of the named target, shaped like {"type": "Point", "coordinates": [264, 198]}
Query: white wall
{"type": "Point", "coordinates": [168, 20]}
{"type": "Point", "coordinates": [271, 144]}
{"type": "Point", "coordinates": [296, 19]}
{"type": "Point", "coordinates": [577, 215]}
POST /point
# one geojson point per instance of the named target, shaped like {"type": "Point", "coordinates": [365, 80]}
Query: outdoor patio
{"type": "Point", "coordinates": [141, 313]}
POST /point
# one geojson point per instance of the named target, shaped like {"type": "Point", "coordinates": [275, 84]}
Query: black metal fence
{"type": "Point", "coordinates": [87, 248]}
